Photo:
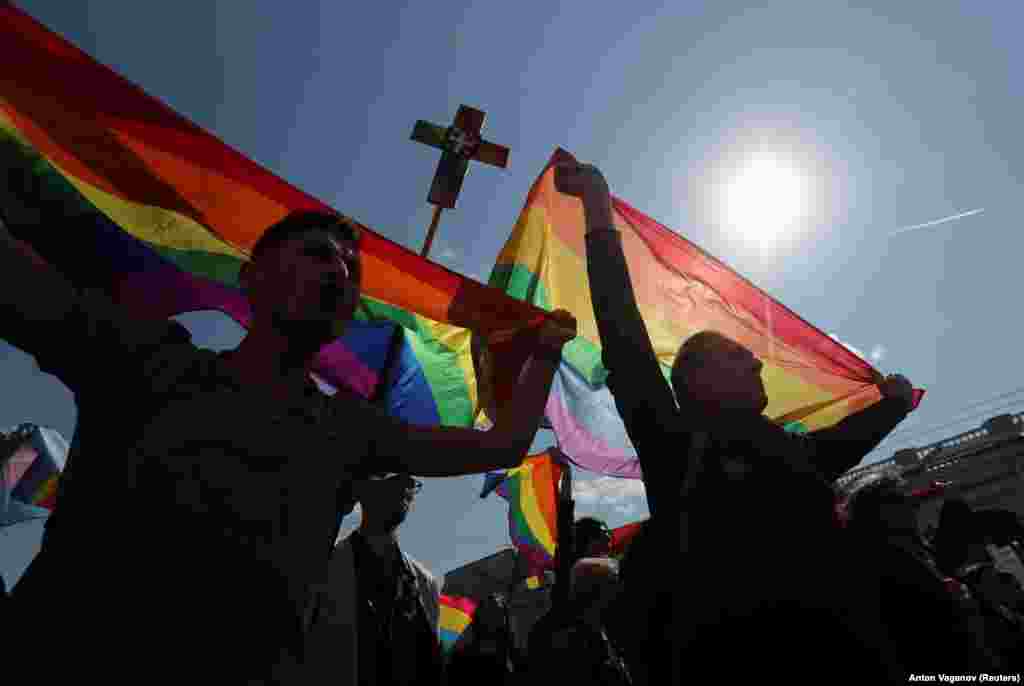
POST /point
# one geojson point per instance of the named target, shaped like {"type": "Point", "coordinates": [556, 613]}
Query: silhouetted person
{"type": "Point", "coordinates": [728, 484]}
{"type": "Point", "coordinates": [376, 620]}
{"type": "Point", "coordinates": [637, 617]}
{"type": "Point", "coordinates": [571, 644]}
{"type": "Point", "coordinates": [488, 656]}
{"type": "Point", "coordinates": [981, 567]}
{"type": "Point", "coordinates": [1000, 601]}
{"type": "Point", "coordinates": [220, 469]}
{"type": "Point", "coordinates": [933, 625]}
{"type": "Point", "coordinates": [953, 535]}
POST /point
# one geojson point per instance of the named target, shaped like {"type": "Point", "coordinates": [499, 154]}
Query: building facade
{"type": "Point", "coordinates": [984, 467]}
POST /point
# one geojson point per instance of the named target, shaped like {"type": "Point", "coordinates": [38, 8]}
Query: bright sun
{"type": "Point", "coordinates": [767, 196]}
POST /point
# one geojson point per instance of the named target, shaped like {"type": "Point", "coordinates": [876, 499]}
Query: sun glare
{"type": "Point", "coordinates": [766, 196]}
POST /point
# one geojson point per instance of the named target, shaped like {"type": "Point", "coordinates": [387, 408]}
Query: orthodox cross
{"type": "Point", "coordinates": [460, 143]}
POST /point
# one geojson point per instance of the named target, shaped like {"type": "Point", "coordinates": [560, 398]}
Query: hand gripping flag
{"type": "Point", "coordinates": [811, 379]}
{"type": "Point", "coordinates": [161, 215]}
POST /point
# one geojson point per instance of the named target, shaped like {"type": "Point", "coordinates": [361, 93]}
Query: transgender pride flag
{"type": "Point", "coordinates": [29, 469]}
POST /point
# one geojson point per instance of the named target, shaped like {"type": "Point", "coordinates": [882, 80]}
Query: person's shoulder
{"type": "Point", "coordinates": [344, 552]}
{"type": "Point", "coordinates": [758, 431]}
{"type": "Point", "coordinates": [167, 338]}
{"type": "Point", "coordinates": [346, 399]}
{"type": "Point", "coordinates": [424, 572]}
{"type": "Point", "coordinates": [345, 544]}
{"type": "Point", "coordinates": [133, 331]}
{"type": "Point", "coordinates": [177, 360]}
{"type": "Point", "coordinates": [156, 353]}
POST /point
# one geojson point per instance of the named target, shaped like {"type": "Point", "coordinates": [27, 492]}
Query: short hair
{"type": "Point", "coordinates": [697, 348]}
{"type": "Point", "coordinates": [590, 576]}
{"type": "Point", "coordinates": [300, 222]}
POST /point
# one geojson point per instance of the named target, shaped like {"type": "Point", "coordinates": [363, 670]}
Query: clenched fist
{"type": "Point", "coordinates": [898, 386]}
{"type": "Point", "coordinates": [556, 331]}
{"type": "Point", "coordinates": [586, 182]}
{"type": "Point", "coordinates": [580, 180]}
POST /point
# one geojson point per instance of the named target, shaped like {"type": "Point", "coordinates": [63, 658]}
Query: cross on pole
{"type": "Point", "coordinates": [459, 143]}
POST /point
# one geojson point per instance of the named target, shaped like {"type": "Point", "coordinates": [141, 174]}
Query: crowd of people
{"type": "Point", "coordinates": [235, 467]}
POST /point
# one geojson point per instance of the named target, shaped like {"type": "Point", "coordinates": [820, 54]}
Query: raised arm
{"type": "Point", "coordinates": [451, 451]}
{"type": "Point", "coordinates": [627, 352]}
{"type": "Point", "coordinates": [642, 395]}
{"type": "Point", "coordinates": [34, 298]}
{"type": "Point", "coordinates": [70, 333]}
{"type": "Point", "coordinates": [830, 452]}
{"type": "Point", "coordinates": [841, 447]}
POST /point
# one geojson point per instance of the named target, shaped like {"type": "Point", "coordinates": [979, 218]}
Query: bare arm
{"type": "Point", "coordinates": [34, 298]}
{"type": "Point", "coordinates": [627, 351]}
{"type": "Point", "coordinates": [642, 395]}
{"type": "Point", "coordinates": [451, 451]}
{"type": "Point", "coordinates": [841, 447]}
{"type": "Point", "coordinates": [825, 454]}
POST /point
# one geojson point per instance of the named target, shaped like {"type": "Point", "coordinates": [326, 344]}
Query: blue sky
{"type": "Point", "coordinates": [894, 115]}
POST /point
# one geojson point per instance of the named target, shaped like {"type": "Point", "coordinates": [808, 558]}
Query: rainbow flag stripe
{"type": "Point", "coordinates": [531, 491]}
{"type": "Point", "coordinates": [28, 480]}
{"type": "Point", "coordinates": [164, 214]}
{"type": "Point", "coordinates": [456, 614]}
{"type": "Point", "coordinates": [811, 379]}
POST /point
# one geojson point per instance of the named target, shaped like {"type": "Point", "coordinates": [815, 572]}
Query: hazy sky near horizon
{"type": "Point", "coordinates": [857, 162]}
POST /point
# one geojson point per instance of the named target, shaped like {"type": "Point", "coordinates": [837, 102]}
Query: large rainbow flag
{"type": "Point", "coordinates": [161, 215]}
{"type": "Point", "coordinates": [811, 379]}
{"type": "Point", "coordinates": [456, 614]}
{"type": "Point", "coordinates": [531, 491]}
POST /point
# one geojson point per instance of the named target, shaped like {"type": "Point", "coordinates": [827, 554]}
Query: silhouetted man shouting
{"type": "Point", "coordinates": [205, 483]}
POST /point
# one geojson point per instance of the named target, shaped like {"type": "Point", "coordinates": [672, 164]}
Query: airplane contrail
{"type": "Point", "coordinates": [938, 221]}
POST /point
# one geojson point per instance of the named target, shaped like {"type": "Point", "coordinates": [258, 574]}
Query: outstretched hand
{"type": "Point", "coordinates": [899, 387]}
{"type": "Point", "coordinates": [586, 182]}
{"type": "Point", "coordinates": [556, 331]}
